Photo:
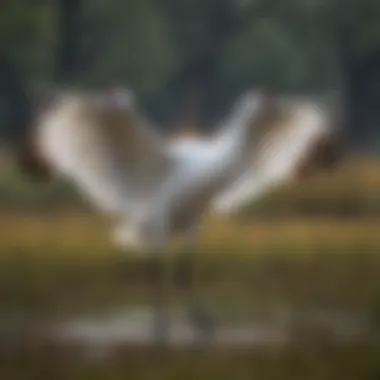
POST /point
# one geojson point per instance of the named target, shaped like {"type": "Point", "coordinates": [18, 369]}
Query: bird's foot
{"type": "Point", "coordinates": [204, 322]}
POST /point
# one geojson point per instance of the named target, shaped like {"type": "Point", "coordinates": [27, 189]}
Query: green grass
{"type": "Point", "coordinates": [55, 262]}
{"type": "Point", "coordinates": [65, 262]}
{"type": "Point", "coordinates": [351, 191]}
{"type": "Point", "coordinates": [61, 264]}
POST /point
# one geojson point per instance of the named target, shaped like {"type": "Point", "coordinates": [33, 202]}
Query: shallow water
{"type": "Point", "coordinates": [98, 334]}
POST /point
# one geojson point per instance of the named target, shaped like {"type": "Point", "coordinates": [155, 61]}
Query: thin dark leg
{"type": "Point", "coordinates": [184, 272]}
{"type": "Point", "coordinates": [184, 278]}
{"type": "Point", "coordinates": [155, 274]}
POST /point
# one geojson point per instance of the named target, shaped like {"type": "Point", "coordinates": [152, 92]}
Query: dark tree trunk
{"type": "Point", "coordinates": [21, 108]}
{"type": "Point", "coordinates": [67, 59]}
{"type": "Point", "coordinates": [17, 132]}
{"type": "Point", "coordinates": [14, 90]}
{"type": "Point", "coordinates": [360, 98]}
{"type": "Point", "coordinates": [200, 83]}
{"type": "Point", "coordinates": [18, 107]}
{"type": "Point", "coordinates": [363, 113]}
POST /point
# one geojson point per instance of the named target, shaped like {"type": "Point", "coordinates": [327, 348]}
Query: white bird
{"type": "Point", "coordinates": [154, 188]}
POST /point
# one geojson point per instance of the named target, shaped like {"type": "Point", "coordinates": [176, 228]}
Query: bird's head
{"type": "Point", "coordinates": [117, 98]}
{"type": "Point", "coordinates": [115, 108]}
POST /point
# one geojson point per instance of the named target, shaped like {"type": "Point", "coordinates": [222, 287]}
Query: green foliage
{"type": "Point", "coordinates": [291, 45]}
{"type": "Point", "coordinates": [27, 33]}
{"type": "Point", "coordinates": [18, 193]}
{"type": "Point", "coordinates": [135, 45]}
{"type": "Point", "coordinates": [352, 191]}
{"type": "Point", "coordinates": [260, 55]}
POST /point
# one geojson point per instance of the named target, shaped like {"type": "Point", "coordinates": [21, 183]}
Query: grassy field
{"type": "Point", "coordinates": [52, 265]}
{"type": "Point", "coordinates": [46, 257]}
{"type": "Point", "coordinates": [312, 246]}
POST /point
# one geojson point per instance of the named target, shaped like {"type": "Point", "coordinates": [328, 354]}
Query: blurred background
{"type": "Point", "coordinates": [302, 265]}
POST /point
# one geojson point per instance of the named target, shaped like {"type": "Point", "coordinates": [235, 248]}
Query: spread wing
{"type": "Point", "coordinates": [279, 157]}
{"type": "Point", "coordinates": [102, 144]}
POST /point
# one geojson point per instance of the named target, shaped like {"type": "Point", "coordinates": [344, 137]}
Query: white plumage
{"type": "Point", "coordinates": [299, 128]}
{"type": "Point", "coordinates": [154, 187]}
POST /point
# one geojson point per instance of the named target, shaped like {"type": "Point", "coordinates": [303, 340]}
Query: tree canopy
{"type": "Point", "coordinates": [189, 59]}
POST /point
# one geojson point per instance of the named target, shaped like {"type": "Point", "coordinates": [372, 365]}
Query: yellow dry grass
{"type": "Point", "coordinates": [80, 232]}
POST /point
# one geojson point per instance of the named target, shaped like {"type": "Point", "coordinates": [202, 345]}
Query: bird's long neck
{"type": "Point", "coordinates": [234, 140]}
{"type": "Point", "coordinates": [243, 129]}
{"type": "Point", "coordinates": [247, 130]}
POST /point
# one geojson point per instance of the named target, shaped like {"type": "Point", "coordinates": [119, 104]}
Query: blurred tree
{"type": "Point", "coordinates": [128, 43]}
{"type": "Point", "coordinates": [350, 31]}
{"type": "Point", "coordinates": [24, 35]}
{"type": "Point", "coordinates": [189, 59]}
{"type": "Point", "coordinates": [357, 36]}
{"type": "Point", "coordinates": [67, 53]}
{"type": "Point", "coordinates": [202, 30]}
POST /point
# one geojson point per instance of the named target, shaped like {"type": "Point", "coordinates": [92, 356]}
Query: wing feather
{"type": "Point", "coordinates": [109, 151]}
{"type": "Point", "coordinates": [278, 156]}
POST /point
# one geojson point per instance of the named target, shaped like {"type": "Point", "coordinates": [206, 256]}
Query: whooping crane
{"type": "Point", "coordinates": [155, 188]}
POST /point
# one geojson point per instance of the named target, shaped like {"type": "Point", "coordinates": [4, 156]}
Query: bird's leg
{"type": "Point", "coordinates": [185, 278]}
{"type": "Point", "coordinates": [154, 267]}
{"type": "Point", "coordinates": [185, 269]}
{"type": "Point", "coordinates": [155, 273]}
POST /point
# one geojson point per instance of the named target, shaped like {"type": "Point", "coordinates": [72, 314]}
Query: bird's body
{"type": "Point", "coordinates": [154, 187]}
